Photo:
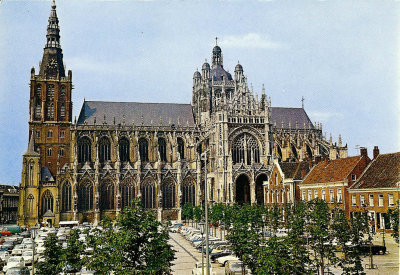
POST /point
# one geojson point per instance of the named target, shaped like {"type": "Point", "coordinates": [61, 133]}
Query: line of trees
{"type": "Point", "coordinates": [309, 237]}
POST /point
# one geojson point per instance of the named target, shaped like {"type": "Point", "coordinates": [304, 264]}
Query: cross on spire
{"type": "Point", "coordinates": [216, 41]}
{"type": "Point", "coordinates": [302, 102]}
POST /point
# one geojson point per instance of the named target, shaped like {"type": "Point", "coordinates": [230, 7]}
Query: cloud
{"type": "Point", "coordinates": [324, 116]}
{"type": "Point", "coordinates": [250, 40]}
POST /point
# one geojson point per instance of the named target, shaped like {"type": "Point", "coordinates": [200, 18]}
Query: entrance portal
{"type": "Point", "coordinates": [242, 189]}
{"type": "Point", "coordinates": [260, 188]}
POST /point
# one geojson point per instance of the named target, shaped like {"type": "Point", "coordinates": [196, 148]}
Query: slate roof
{"type": "Point", "coordinates": [46, 174]}
{"type": "Point", "coordinates": [217, 72]}
{"type": "Point", "coordinates": [149, 113]}
{"type": "Point", "coordinates": [292, 115]}
{"type": "Point", "coordinates": [384, 171]}
{"type": "Point", "coordinates": [295, 170]}
{"type": "Point", "coordinates": [332, 171]}
{"type": "Point", "coordinates": [31, 147]}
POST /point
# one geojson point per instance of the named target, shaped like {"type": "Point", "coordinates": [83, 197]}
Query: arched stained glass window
{"type": "Point", "coordinates": [148, 191]}
{"type": "Point", "coordinates": [104, 149]}
{"type": "Point", "coordinates": [181, 147]}
{"type": "Point", "coordinates": [253, 152]}
{"type": "Point", "coordinates": [238, 150]}
{"type": "Point", "coordinates": [84, 150]}
{"type": "Point", "coordinates": [66, 196]}
{"type": "Point", "coordinates": [47, 201]}
{"type": "Point", "coordinates": [38, 101]}
{"type": "Point", "coordinates": [107, 196]}
{"type": "Point", "coordinates": [188, 192]}
{"type": "Point", "coordinates": [168, 193]}
{"type": "Point", "coordinates": [127, 192]}
{"type": "Point", "coordinates": [85, 196]}
{"type": "Point", "coordinates": [124, 149]}
{"type": "Point", "coordinates": [162, 149]}
{"type": "Point", "coordinates": [144, 149]}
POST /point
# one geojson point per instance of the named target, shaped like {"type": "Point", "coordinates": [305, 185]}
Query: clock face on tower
{"type": "Point", "coordinates": [51, 68]}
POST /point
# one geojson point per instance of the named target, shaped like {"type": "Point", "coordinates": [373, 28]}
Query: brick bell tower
{"type": "Point", "coordinates": [50, 105]}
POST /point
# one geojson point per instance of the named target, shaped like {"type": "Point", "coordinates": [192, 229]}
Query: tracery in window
{"type": "Point", "coordinates": [107, 196]}
{"type": "Point", "coordinates": [148, 191]}
{"type": "Point", "coordinates": [188, 192]}
{"type": "Point", "coordinates": [162, 149]}
{"type": "Point", "coordinates": [49, 110]}
{"type": "Point", "coordinates": [124, 149]}
{"type": "Point", "coordinates": [38, 101]}
{"type": "Point", "coordinates": [181, 147]}
{"type": "Point", "coordinates": [66, 196]}
{"type": "Point", "coordinates": [84, 150]}
{"type": "Point", "coordinates": [168, 193]}
{"type": "Point", "coordinates": [127, 192]}
{"type": "Point", "coordinates": [245, 144]}
{"type": "Point", "coordinates": [47, 202]}
{"type": "Point", "coordinates": [104, 149]}
{"type": "Point", "coordinates": [85, 196]}
{"type": "Point", "coordinates": [30, 200]}
{"type": "Point", "coordinates": [238, 150]}
{"type": "Point", "coordinates": [144, 149]}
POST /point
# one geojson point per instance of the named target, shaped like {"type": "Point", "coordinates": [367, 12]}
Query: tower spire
{"type": "Point", "coordinates": [53, 29]}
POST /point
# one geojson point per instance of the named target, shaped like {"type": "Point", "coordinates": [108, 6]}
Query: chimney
{"type": "Point", "coordinates": [376, 152]}
{"type": "Point", "coordinates": [363, 152]}
{"type": "Point", "coordinates": [317, 159]}
{"type": "Point", "coordinates": [326, 160]}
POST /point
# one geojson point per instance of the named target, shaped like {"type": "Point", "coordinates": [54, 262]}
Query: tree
{"type": "Point", "coordinates": [394, 221]}
{"type": "Point", "coordinates": [74, 249]}
{"type": "Point", "coordinates": [136, 244]}
{"type": "Point", "coordinates": [187, 212]}
{"type": "Point", "coordinates": [54, 257]}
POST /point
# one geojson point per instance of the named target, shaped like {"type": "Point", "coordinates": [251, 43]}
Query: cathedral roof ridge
{"type": "Point", "coordinates": [135, 102]}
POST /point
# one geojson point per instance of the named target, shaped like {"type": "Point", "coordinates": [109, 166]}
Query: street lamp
{"type": "Point", "coordinates": [204, 156]}
{"type": "Point", "coordinates": [33, 236]}
{"type": "Point", "coordinates": [202, 228]}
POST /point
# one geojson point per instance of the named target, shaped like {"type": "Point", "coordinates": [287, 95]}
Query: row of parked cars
{"type": "Point", "coordinates": [220, 252]}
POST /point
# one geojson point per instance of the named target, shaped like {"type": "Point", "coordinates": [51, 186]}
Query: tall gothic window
{"type": "Point", "coordinates": [31, 172]}
{"type": "Point", "coordinates": [85, 196]}
{"type": "Point", "coordinates": [66, 196]}
{"type": "Point", "coordinates": [144, 149]}
{"type": "Point", "coordinates": [38, 101]}
{"type": "Point", "coordinates": [188, 192]}
{"type": "Point", "coordinates": [47, 202]}
{"type": "Point", "coordinates": [168, 193]}
{"type": "Point", "coordinates": [50, 91]}
{"type": "Point", "coordinates": [49, 110]}
{"type": "Point", "coordinates": [30, 203]}
{"type": "Point", "coordinates": [124, 149]}
{"type": "Point", "coordinates": [62, 93]}
{"type": "Point", "coordinates": [181, 147]}
{"type": "Point", "coordinates": [127, 192]}
{"type": "Point", "coordinates": [84, 150]}
{"type": "Point", "coordinates": [148, 190]}
{"type": "Point", "coordinates": [104, 149]}
{"type": "Point", "coordinates": [62, 102]}
{"type": "Point", "coordinates": [238, 150]}
{"type": "Point", "coordinates": [107, 196]}
{"type": "Point", "coordinates": [162, 149]}
{"type": "Point", "coordinates": [253, 152]}
{"type": "Point", "coordinates": [62, 110]}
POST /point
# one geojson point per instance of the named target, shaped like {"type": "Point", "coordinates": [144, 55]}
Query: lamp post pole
{"type": "Point", "coordinates": [202, 225]}
{"type": "Point", "coordinates": [33, 236]}
{"type": "Point", "coordinates": [206, 212]}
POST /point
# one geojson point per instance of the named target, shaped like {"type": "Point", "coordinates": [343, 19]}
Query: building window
{"type": "Point", "coordinates": [162, 149]}
{"type": "Point", "coordinates": [268, 196]}
{"type": "Point", "coordinates": [127, 192]}
{"type": "Point", "coordinates": [84, 150]}
{"type": "Point", "coordinates": [168, 194]}
{"type": "Point", "coordinates": [277, 196]}
{"type": "Point", "coordinates": [339, 195]}
{"type": "Point", "coordinates": [62, 134]}
{"type": "Point", "coordinates": [50, 110]}
{"type": "Point", "coordinates": [104, 149]}
{"type": "Point", "coordinates": [315, 194]}
{"type": "Point", "coordinates": [61, 152]}
{"type": "Point", "coordinates": [181, 147]}
{"type": "Point", "coordinates": [283, 195]}
{"type": "Point", "coordinates": [49, 152]}
{"type": "Point", "coordinates": [144, 149]}
{"type": "Point", "coordinates": [50, 91]}
{"type": "Point", "coordinates": [303, 195]}
{"type": "Point", "coordinates": [62, 93]}
{"type": "Point", "coordinates": [353, 200]}
{"type": "Point", "coordinates": [148, 191]}
{"type": "Point", "coordinates": [331, 196]}
{"type": "Point", "coordinates": [38, 134]}
{"type": "Point", "coordinates": [362, 200]}
{"type": "Point", "coordinates": [288, 195]}
{"type": "Point", "coordinates": [309, 195]}
{"type": "Point", "coordinates": [85, 196]}
{"type": "Point", "coordinates": [50, 133]}
{"type": "Point", "coordinates": [390, 199]}
{"type": "Point", "coordinates": [380, 201]}
{"type": "Point", "coordinates": [188, 192]}
{"type": "Point", "coordinates": [238, 150]}
{"type": "Point", "coordinates": [253, 152]}
{"type": "Point", "coordinates": [107, 196]}
{"type": "Point", "coordinates": [66, 196]}
{"type": "Point", "coordinates": [62, 110]}
{"type": "Point", "coordinates": [124, 149]}
{"type": "Point", "coordinates": [371, 199]}
{"type": "Point", "coordinates": [323, 195]}
{"type": "Point", "coordinates": [30, 204]}
{"type": "Point", "coordinates": [47, 202]}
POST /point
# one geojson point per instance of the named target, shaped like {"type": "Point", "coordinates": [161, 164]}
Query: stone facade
{"type": "Point", "coordinates": [114, 152]}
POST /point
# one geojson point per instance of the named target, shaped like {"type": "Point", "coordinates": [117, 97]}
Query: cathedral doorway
{"type": "Point", "coordinates": [260, 188]}
{"type": "Point", "coordinates": [242, 189]}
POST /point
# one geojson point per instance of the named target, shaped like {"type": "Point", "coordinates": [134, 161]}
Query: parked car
{"type": "Point", "coordinates": [223, 260]}
{"type": "Point", "coordinates": [28, 255]}
{"type": "Point", "coordinates": [4, 255]}
{"type": "Point", "coordinates": [18, 249]}
{"type": "Point", "coordinates": [18, 271]}
{"type": "Point", "coordinates": [174, 228]}
{"type": "Point", "coordinates": [197, 270]}
{"type": "Point", "coordinates": [376, 249]}
{"type": "Point", "coordinates": [15, 261]}
{"type": "Point", "coordinates": [6, 233]}
{"type": "Point", "coordinates": [235, 268]}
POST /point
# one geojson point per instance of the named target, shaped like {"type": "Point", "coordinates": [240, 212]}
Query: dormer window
{"type": "Point", "coordinates": [353, 177]}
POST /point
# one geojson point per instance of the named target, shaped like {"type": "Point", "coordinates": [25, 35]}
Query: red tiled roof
{"type": "Point", "coordinates": [333, 171]}
{"type": "Point", "coordinates": [384, 171]}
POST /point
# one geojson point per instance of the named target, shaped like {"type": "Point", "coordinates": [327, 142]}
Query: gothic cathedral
{"type": "Point", "coordinates": [161, 153]}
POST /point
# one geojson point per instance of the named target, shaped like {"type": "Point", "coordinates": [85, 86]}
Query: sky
{"type": "Point", "coordinates": [342, 56]}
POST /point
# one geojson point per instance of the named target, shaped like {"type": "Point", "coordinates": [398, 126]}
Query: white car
{"type": "Point", "coordinates": [28, 255]}
{"type": "Point", "coordinates": [223, 260]}
{"type": "Point", "coordinates": [40, 249]}
{"type": "Point", "coordinates": [18, 249]}
{"type": "Point", "coordinates": [4, 255]}
{"type": "Point", "coordinates": [198, 269]}
{"type": "Point", "coordinates": [15, 261]}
